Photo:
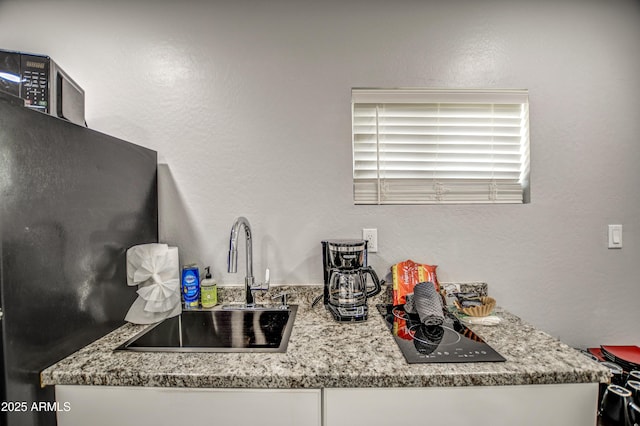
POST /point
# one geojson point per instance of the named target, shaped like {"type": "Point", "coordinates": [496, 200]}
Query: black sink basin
{"type": "Point", "coordinates": [259, 329]}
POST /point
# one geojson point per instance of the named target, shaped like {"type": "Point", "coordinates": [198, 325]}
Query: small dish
{"type": "Point", "coordinates": [488, 303]}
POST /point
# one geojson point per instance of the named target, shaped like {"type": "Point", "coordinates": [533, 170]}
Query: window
{"type": "Point", "coordinates": [426, 146]}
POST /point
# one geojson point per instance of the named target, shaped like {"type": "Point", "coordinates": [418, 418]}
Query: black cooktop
{"type": "Point", "coordinates": [450, 342]}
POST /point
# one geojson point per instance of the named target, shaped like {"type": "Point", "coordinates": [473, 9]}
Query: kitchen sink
{"type": "Point", "coordinates": [222, 329]}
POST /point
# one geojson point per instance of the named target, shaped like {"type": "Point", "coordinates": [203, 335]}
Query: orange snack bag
{"type": "Point", "coordinates": [407, 274]}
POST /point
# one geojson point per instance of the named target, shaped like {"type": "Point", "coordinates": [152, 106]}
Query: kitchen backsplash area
{"type": "Point", "coordinates": [250, 113]}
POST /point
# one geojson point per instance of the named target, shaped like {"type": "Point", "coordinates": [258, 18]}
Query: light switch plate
{"type": "Point", "coordinates": [615, 236]}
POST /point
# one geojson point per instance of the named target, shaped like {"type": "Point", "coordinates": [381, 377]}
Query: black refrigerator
{"type": "Point", "coordinates": [72, 200]}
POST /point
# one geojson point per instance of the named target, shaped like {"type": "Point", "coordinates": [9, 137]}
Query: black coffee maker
{"type": "Point", "coordinates": [345, 279]}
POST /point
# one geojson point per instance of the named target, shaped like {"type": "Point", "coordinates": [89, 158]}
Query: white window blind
{"type": "Point", "coordinates": [424, 146]}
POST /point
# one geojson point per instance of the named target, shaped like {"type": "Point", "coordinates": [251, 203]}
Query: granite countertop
{"type": "Point", "coordinates": [324, 353]}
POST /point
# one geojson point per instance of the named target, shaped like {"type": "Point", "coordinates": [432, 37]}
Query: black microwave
{"type": "Point", "coordinates": [42, 84]}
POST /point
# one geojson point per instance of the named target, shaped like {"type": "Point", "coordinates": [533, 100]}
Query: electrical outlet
{"type": "Point", "coordinates": [371, 235]}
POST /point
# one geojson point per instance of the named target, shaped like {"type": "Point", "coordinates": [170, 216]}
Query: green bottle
{"type": "Point", "coordinates": [208, 290]}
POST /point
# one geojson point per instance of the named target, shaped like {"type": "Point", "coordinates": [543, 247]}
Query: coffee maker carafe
{"type": "Point", "coordinates": [345, 279]}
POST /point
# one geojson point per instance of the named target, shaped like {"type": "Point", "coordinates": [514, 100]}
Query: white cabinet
{"type": "Point", "coordinates": [123, 406]}
{"type": "Point", "coordinates": [526, 405]}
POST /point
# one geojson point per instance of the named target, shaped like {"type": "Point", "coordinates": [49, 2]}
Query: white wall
{"type": "Point", "coordinates": [248, 105]}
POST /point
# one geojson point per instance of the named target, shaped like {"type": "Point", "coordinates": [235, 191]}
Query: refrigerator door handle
{"type": "Point", "coordinates": [1, 314]}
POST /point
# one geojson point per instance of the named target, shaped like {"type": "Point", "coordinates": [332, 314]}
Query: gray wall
{"type": "Point", "coordinates": [248, 105]}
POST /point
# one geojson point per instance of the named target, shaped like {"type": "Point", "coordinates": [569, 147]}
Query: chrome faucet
{"type": "Point", "coordinates": [249, 285]}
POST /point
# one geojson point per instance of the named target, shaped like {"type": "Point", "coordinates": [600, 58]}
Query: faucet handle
{"type": "Point", "coordinates": [263, 287]}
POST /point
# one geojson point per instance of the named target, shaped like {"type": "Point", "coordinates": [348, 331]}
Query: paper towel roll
{"type": "Point", "coordinates": [155, 269]}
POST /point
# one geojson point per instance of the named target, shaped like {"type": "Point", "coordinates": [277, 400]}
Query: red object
{"type": "Point", "coordinates": [407, 274]}
{"type": "Point", "coordinates": [597, 352]}
{"type": "Point", "coordinates": [630, 354]}
{"type": "Point", "coordinates": [400, 329]}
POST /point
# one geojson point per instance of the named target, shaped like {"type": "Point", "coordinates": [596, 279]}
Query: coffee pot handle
{"type": "Point", "coordinates": [376, 282]}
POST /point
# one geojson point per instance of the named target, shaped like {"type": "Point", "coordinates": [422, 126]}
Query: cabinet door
{"type": "Point", "coordinates": [529, 405]}
{"type": "Point", "coordinates": [123, 406]}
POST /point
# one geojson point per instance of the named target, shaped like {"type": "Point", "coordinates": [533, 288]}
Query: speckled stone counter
{"type": "Point", "coordinates": [323, 353]}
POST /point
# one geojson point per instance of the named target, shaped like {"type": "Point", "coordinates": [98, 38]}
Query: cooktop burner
{"type": "Point", "coordinates": [450, 342]}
